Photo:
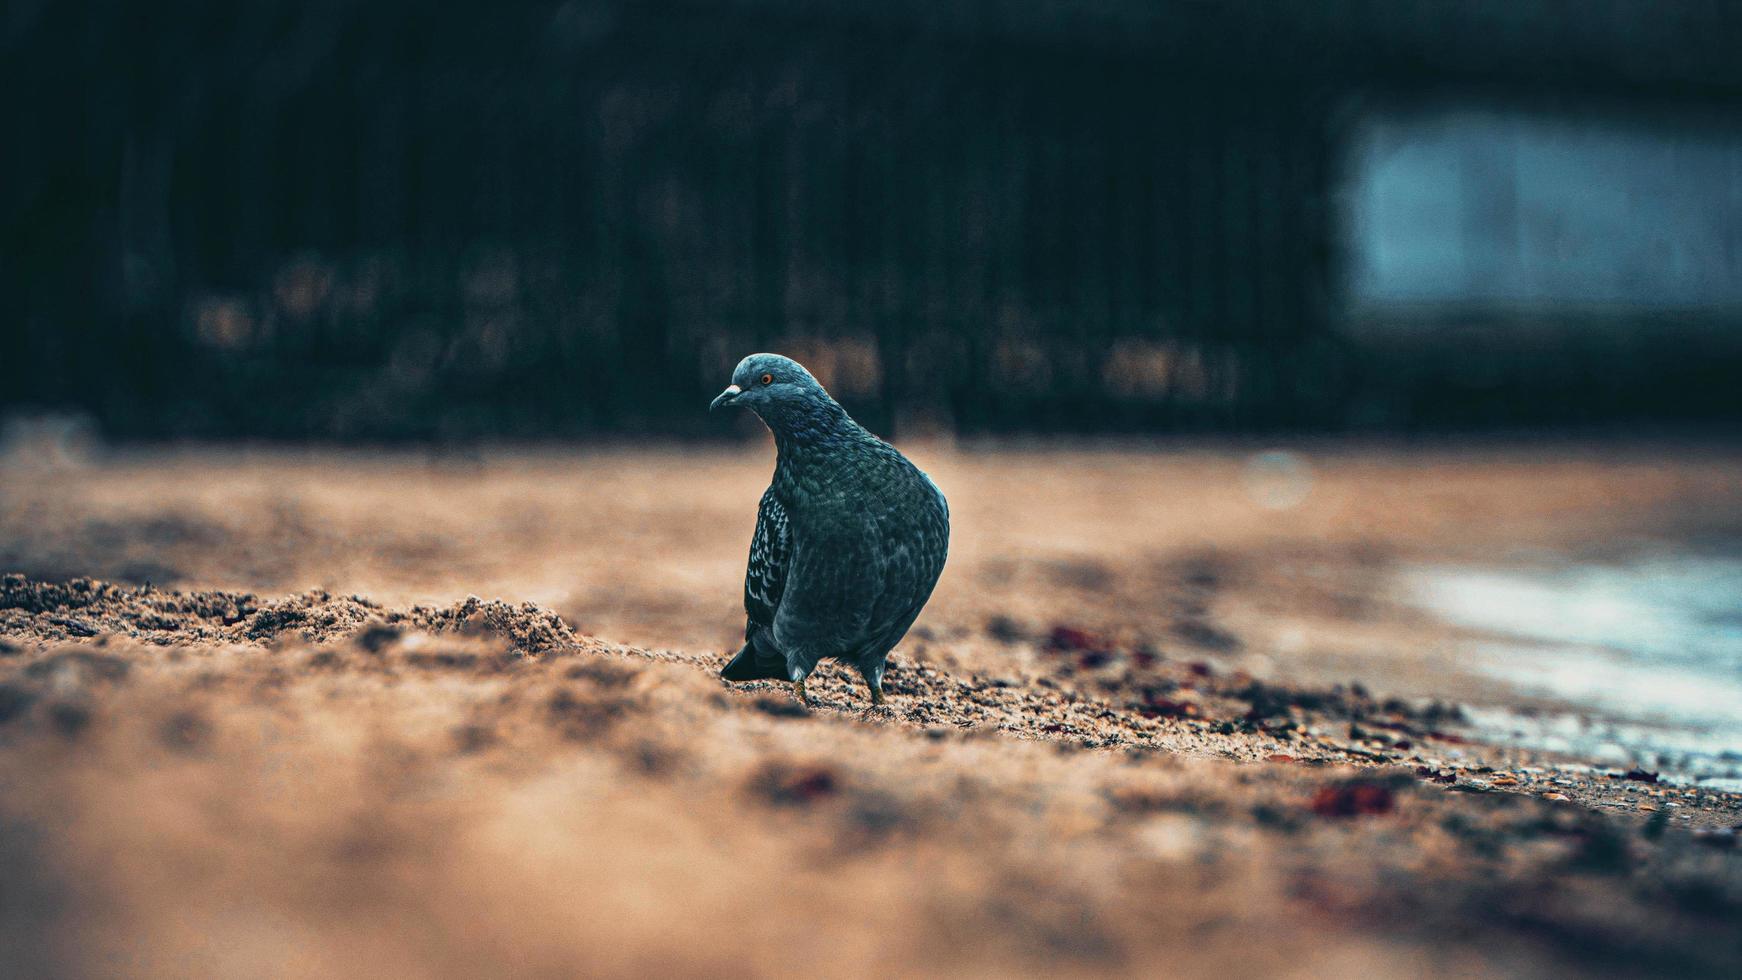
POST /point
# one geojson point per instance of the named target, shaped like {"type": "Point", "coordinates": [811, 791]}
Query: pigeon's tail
{"type": "Point", "coordinates": [747, 667]}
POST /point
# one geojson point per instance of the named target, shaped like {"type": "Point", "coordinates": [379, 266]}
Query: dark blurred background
{"type": "Point", "coordinates": [387, 221]}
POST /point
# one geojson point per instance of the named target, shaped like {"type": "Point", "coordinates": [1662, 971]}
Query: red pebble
{"type": "Point", "coordinates": [1353, 800]}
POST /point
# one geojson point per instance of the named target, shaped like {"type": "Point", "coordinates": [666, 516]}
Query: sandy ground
{"type": "Point", "coordinates": [1163, 717]}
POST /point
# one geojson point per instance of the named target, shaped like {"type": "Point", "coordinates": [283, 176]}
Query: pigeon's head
{"type": "Point", "coordinates": [776, 388]}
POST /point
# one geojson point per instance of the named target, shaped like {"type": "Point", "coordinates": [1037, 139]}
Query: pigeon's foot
{"type": "Point", "coordinates": [877, 698]}
{"type": "Point", "coordinates": [798, 689]}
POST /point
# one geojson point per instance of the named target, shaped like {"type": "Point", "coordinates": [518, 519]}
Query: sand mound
{"type": "Point", "coordinates": [82, 607]}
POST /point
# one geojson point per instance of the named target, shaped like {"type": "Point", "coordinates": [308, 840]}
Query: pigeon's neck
{"type": "Point", "coordinates": [806, 430]}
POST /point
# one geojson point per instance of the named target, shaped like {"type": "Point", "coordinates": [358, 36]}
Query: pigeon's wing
{"type": "Point", "coordinates": [770, 552]}
{"type": "Point", "coordinates": [918, 544]}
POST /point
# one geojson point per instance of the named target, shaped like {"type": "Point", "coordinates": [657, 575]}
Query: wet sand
{"type": "Point", "coordinates": [1153, 722]}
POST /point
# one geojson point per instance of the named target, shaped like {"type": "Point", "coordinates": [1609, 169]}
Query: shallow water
{"type": "Point", "coordinates": [1646, 653]}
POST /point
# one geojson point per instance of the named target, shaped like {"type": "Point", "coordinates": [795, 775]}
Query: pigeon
{"type": "Point", "coordinates": [850, 536]}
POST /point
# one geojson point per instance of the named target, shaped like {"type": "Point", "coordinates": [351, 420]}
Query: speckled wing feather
{"type": "Point", "coordinates": [765, 576]}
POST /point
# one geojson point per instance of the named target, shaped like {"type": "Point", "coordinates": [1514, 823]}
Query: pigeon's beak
{"type": "Point", "coordinates": [726, 397]}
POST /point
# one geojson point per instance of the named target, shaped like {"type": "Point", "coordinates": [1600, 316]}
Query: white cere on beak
{"type": "Point", "coordinates": [734, 390]}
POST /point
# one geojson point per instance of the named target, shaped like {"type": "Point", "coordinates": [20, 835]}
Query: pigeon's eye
{"type": "Point", "coordinates": [768, 379]}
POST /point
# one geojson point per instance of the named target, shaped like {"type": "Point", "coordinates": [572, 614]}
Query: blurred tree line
{"type": "Point", "coordinates": [286, 219]}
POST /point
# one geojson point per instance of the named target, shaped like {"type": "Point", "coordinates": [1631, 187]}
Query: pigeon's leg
{"type": "Point", "coordinates": [874, 680]}
{"type": "Point", "coordinates": [798, 669]}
